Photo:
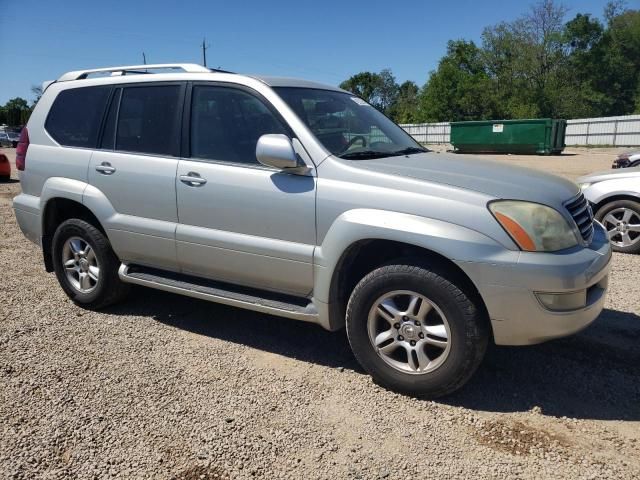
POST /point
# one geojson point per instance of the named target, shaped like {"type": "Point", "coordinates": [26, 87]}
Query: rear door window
{"type": "Point", "coordinates": [149, 120]}
{"type": "Point", "coordinates": [75, 116]}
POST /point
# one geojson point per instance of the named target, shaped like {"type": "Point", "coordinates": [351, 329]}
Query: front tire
{"type": "Point", "coordinates": [416, 331]}
{"type": "Point", "coordinates": [86, 266]}
{"type": "Point", "coordinates": [621, 219]}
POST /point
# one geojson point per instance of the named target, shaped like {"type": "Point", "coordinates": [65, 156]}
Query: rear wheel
{"type": "Point", "coordinates": [415, 331]}
{"type": "Point", "coordinates": [86, 266]}
{"type": "Point", "coordinates": [621, 219]}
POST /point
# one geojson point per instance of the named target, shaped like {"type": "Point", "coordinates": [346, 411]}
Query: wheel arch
{"type": "Point", "coordinates": [351, 249]}
{"type": "Point", "coordinates": [631, 196]}
{"type": "Point", "coordinates": [55, 211]}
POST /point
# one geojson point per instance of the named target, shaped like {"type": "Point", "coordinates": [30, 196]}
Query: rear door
{"type": "Point", "coordinates": [135, 167]}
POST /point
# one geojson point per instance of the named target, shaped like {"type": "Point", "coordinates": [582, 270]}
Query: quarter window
{"type": "Point", "coordinates": [226, 124]}
{"type": "Point", "coordinates": [148, 121]}
{"type": "Point", "coordinates": [75, 116]}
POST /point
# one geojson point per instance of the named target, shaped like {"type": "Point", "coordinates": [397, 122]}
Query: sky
{"type": "Point", "coordinates": [321, 40]}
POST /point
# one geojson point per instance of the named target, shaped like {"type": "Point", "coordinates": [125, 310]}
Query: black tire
{"type": "Point", "coordinates": [109, 289]}
{"type": "Point", "coordinates": [469, 329]}
{"type": "Point", "coordinates": [5, 178]}
{"type": "Point", "coordinates": [609, 207]}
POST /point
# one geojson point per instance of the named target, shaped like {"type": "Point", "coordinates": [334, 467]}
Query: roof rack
{"type": "Point", "coordinates": [135, 70]}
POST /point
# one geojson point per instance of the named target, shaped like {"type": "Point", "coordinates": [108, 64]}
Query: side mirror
{"type": "Point", "coordinates": [276, 150]}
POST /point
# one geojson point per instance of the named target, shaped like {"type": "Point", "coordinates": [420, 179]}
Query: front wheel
{"type": "Point", "coordinates": [415, 331]}
{"type": "Point", "coordinates": [621, 219]}
{"type": "Point", "coordinates": [86, 266]}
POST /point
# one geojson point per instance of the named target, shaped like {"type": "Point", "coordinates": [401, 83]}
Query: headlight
{"type": "Point", "coordinates": [534, 227]}
{"type": "Point", "coordinates": [584, 186]}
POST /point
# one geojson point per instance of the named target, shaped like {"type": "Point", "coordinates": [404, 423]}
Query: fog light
{"type": "Point", "coordinates": [563, 302]}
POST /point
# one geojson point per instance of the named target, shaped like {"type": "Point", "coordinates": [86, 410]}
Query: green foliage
{"type": "Point", "coordinates": [460, 88]}
{"type": "Point", "coordinates": [15, 112]}
{"type": "Point", "coordinates": [539, 65]}
{"type": "Point", "coordinates": [379, 89]}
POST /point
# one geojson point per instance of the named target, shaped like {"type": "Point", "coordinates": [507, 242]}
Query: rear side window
{"type": "Point", "coordinates": [75, 116]}
{"type": "Point", "coordinates": [148, 120]}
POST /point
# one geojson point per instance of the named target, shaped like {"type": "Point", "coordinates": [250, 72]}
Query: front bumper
{"type": "Point", "coordinates": [509, 288]}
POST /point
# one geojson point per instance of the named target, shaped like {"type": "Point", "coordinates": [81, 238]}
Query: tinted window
{"type": "Point", "coordinates": [75, 116]}
{"type": "Point", "coordinates": [226, 124]}
{"type": "Point", "coordinates": [148, 120]}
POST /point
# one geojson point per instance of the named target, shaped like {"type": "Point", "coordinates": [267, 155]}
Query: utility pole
{"type": "Point", "coordinates": [204, 52]}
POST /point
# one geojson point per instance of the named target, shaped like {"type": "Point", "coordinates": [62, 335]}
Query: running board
{"type": "Point", "coordinates": [297, 308]}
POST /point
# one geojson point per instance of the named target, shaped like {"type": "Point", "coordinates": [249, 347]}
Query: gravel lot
{"type": "Point", "coordinates": [169, 387]}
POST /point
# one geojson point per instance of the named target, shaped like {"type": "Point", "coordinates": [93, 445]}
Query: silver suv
{"type": "Point", "coordinates": [300, 200]}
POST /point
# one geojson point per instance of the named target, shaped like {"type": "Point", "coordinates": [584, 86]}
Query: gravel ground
{"type": "Point", "coordinates": [169, 387]}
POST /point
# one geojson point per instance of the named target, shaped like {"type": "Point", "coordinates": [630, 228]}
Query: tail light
{"type": "Point", "coordinates": [21, 149]}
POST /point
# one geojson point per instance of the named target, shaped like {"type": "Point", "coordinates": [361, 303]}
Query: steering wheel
{"type": "Point", "coordinates": [354, 140]}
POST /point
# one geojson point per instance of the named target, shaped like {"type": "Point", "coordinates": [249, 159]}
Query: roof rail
{"type": "Point", "coordinates": [135, 69]}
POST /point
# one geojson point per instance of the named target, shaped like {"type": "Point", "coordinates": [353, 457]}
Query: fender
{"type": "Point", "coordinates": [59, 187]}
{"type": "Point", "coordinates": [603, 197]}
{"type": "Point", "coordinates": [452, 241]}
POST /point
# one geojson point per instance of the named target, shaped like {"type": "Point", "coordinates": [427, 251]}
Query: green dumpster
{"type": "Point", "coordinates": [544, 136]}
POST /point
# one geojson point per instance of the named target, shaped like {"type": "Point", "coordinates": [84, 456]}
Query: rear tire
{"type": "Point", "coordinates": [621, 219]}
{"type": "Point", "coordinates": [86, 266]}
{"type": "Point", "coordinates": [430, 353]}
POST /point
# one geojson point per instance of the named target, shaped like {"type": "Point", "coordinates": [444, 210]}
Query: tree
{"type": "Point", "coordinates": [364, 84]}
{"type": "Point", "coordinates": [405, 108]}
{"type": "Point", "coordinates": [535, 66]}
{"type": "Point", "coordinates": [379, 89]}
{"type": "Point", "coordinates": [459, 89]}
{"type": "Point", "coordinates": [37, 93]}
{"type": "Point", "coordinates": [387, 92]}
{"type": "Point", "coordinates": [528, 61]}
{"type": "Point", "coordinates": [17, 111]}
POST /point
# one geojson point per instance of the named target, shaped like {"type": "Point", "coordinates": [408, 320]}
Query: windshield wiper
{"type": "Point", "coordinates": [365, 154]}
{"type": "Point", "coordinates": [410, 150]}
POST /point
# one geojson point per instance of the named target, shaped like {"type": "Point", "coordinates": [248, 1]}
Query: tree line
{"type": "Point", "coordinates": [536, 66]}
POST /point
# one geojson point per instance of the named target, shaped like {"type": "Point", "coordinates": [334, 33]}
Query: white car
{"type": "Point", "coordinates": [615, 199]}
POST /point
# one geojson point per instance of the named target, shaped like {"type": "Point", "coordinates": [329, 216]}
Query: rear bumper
{"type": "Point", "coordinates": [509, 290]}
{"type": "Point", "coordinates": [27, 212]}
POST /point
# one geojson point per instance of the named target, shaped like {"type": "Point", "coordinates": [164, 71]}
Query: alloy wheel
{"type": "Point", "coordinates": [409, 332]}
{"type": "Point", "coordinates": [623, 226]}
{"type": "Point", "coordinates": [80, 264]}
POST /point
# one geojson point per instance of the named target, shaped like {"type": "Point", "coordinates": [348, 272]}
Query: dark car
{"type": "Point", "coordinates": [627, 159]}
{"type": "Point", "coordinates": [14, 137]}
{"type": "Point", "coordinates": [5, 141]}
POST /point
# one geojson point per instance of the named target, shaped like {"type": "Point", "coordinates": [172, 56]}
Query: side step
{"type": "Point", "coordinates": [297, 308]}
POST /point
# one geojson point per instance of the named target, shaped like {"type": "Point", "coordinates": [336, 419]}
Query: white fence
{"type": "Point", "coordinates": [618, 131]}
{"type": "Point", "coordinates": [429, 132]}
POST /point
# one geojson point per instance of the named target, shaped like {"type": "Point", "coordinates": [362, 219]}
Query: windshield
{"type": "Point", "coordinates": [348, 126]}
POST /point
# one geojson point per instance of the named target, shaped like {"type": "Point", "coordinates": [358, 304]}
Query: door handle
{"type": "Point", "coordinates": [192, 179]}
{"type": "Point", "coordinates": [106, 168]}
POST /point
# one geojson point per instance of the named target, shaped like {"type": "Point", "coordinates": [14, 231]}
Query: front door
{"type": "Point", "coordinates": [239, 221]}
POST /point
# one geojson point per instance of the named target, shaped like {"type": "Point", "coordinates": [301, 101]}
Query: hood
{"type": "Point", "coordinates": [497, 179]}
{"type": "Point", "coordinates": [614, 174]}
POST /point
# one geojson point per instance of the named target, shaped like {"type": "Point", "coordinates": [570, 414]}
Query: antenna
{"type": "Point", "coordinates": [205, 47]}
{"type": "Point", "coordinates": [144, 59]}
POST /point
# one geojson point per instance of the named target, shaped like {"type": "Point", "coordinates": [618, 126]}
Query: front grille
{"type": "Point", "coordinates": [581, 212]}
